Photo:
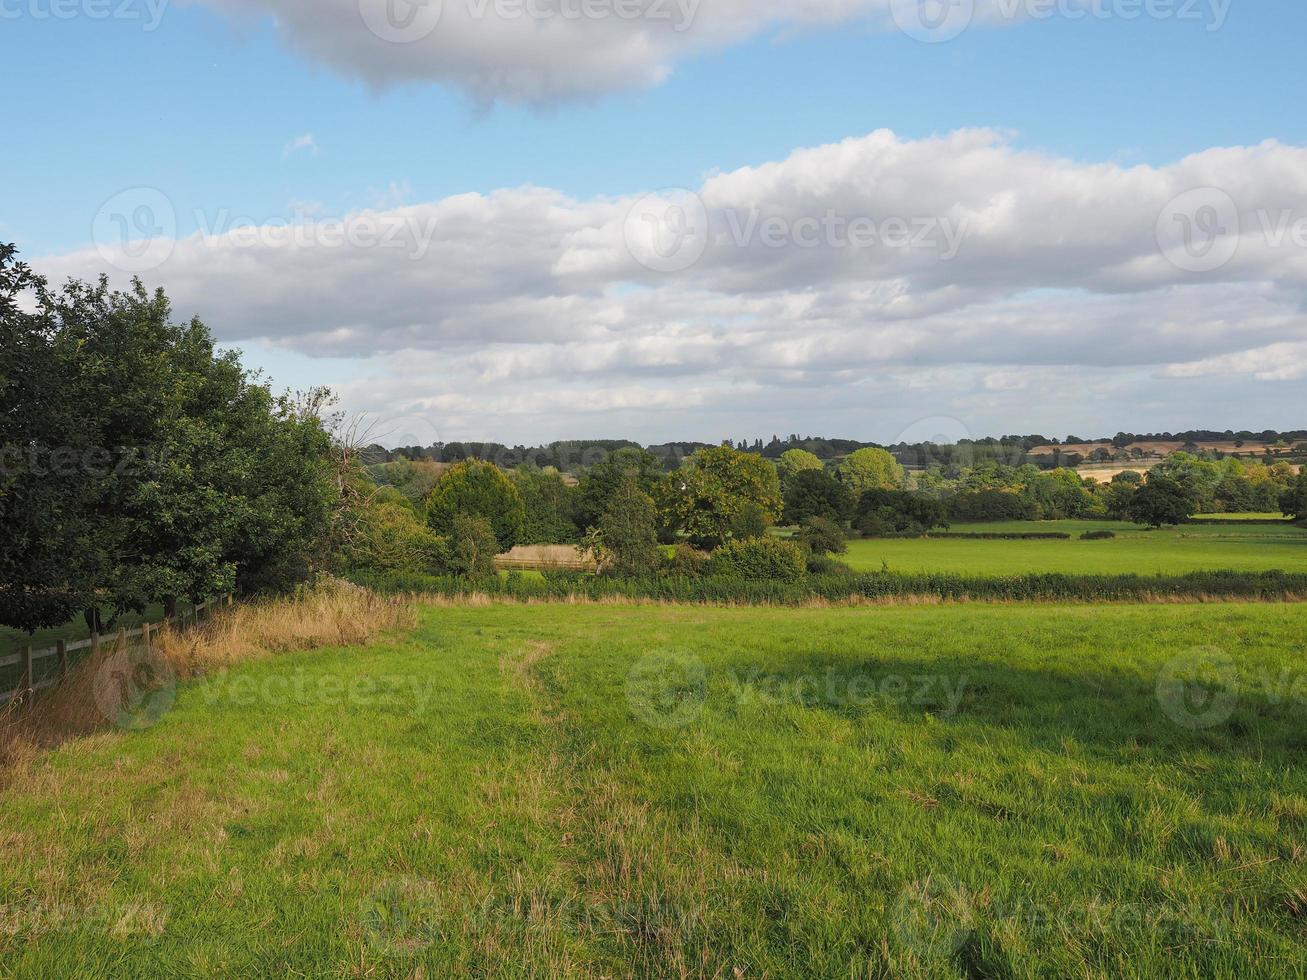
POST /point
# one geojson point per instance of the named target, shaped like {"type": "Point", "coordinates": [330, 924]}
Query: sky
{"type": "Point", "coordinates": [527, 220]}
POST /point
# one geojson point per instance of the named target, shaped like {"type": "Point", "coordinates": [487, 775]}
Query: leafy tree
{"type": "Point", "coordinates": [816, 493]}
{"type": "Point", "coordinates": [1294, 501]}
{"type": "Point", "coordinates": [869, 469]}
{"type": "Point", "coordinates": [480, 489]}
{"type": "Point", "coordinates": [629, 531]}
{"type": "Point", "coordinates": [991, 505]}
{"type": "Point", "coordinates": [195, 478]}
{"type": "Point", "coordinates": [750, 522]}
{"type": "Point", "coordinates": [705, 498]}
{"type": "Point", "coordinates": [48, 567]}
{"type": "Point", "coordinates": [602, 480]}
{"type": "Point", "coordinates": [898, 511]}
{"type": "Point", "coordinates": [549, 506]}
{"type": "Point", "coordinates": [822, 536]}
{"type": "Point", "coordinates": [1161, 500]}
{"type": "Point", "coordinates": [794, 462]}
{"type": "Point", "coordinates": [473, 546]}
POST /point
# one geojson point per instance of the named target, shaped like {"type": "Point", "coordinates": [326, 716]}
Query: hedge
{"type": "Point", "coordinates": [979, 535]}
{"type": "Point", "coordinates": [1046, 587]}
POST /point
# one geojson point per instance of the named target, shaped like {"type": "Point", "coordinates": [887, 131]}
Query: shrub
{"type": "Point", "coordinates": [1097, 535]}
{"type": "Point", "coordinates": [822, 536]}
{"type": "Point", "coordinates": [685, 562]}
{"type": "Point", "coordinates": [826, 565]}
{"type": "Point", "coordinates": [473, 547]}
{"type": "Point", "coordinates": [885, 511]}
{"type": "Point", "coordinates": [762, 559]}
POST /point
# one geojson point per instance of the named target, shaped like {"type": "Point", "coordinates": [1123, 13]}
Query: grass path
{"type": "Point", "coordinates": [662, 791]}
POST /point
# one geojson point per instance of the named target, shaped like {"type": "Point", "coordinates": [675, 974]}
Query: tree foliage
{"type": "Point", "coordinates": [1161, 500]}
{"type": "Point", "coordinates": [869, 469]}
{"type": "Point", "coordinates": [182, 475]}
{"type": "Point", "coordinates": [628, 531]}
{"type": "Point", "coordinates": [816, 493]}
{"type": "Point", "coordinates": [705, 499]}
{"type": "Point", "coordinates": [482, 490]}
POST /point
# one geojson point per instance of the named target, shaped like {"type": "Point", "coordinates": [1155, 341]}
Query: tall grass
{"type": "Point", "coordinates": [332, 613]}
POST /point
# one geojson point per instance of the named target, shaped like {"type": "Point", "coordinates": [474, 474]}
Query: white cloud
{"type": "Point", "coordinates": [494, 308]}
{"type": "Point", "coordinates": [300, 144]}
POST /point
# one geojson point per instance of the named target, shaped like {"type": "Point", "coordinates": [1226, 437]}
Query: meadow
{"type": "Point", "coordinates": [614, 790]}
{"type": "Point", "coordinates": [1169, 551]}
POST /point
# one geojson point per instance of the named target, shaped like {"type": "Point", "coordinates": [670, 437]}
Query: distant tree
{"type": "Point", "coordinates": [1161, 500]}
{"type": "Point", "coordinates": [628, 531]}
{"type": "Point", "coordinates": [816, 493]}
{"type": "Point", "coordinates": [751, 521]}
{"type": "Point", "coordinates": [549, 506]}
{"type": "Point", "coordinates": [383, 534]}
{"type": "Point", "coordinates": [891, 511]}
{"type": "Point", "coordinates": [602, 480]}
{"type": "Point", "coordinates": [705, 498]}
{"type": "Point", "coordinates": [868, 469]}
{"type": "Point", "coordinates": [479, 489]}
{"type": "Point", "coordinates": [822, 536]}
{"type": "Point", "coordinates": [1293, 503]}
{"type": "Point", "coordinates": [795, 461]}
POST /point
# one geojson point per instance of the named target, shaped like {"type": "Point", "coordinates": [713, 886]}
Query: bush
{"type": "Point", "coordinates": [826, 565]}
{"type": "Point", "coordinates": [991, 505]}
{"type": "Point", "coordinates": [685, 562]}
{"type": "Point", "coordinates": [1097, 535]}
{"type": "Point", "coordinates": [822, 536]}
{"type": "Point", "coordinates": [473, 547]}
{"type": "Point", "coordinates": [761, 559]}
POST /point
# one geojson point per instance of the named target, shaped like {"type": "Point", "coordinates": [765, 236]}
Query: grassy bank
{"type": "Point", "coordinates": [638, 791]}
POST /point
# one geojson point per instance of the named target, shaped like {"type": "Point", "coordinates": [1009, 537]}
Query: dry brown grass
{"type": "Point", "coordinates": [334, 613]}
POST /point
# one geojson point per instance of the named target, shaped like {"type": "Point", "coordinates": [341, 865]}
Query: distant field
{"type": "Point", "coordinates": [614, 791]}
{"type": "Point", "coordinates": [1170, 551]}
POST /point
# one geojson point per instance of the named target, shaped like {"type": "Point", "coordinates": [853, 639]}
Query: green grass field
{"type": "Point", "coordinates": [958, 791]}
{"type": "Point", "coordinates": [1134, 550]}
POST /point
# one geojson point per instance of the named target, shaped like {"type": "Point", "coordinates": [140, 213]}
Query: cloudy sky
{"type": "Point", "coordinates": [692, 219]}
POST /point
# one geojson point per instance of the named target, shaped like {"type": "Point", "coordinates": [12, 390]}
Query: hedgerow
{"type": "Point", "coordinates": [1044, 587]}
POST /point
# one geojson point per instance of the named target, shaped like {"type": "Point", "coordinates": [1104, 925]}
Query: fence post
{"type": "Point", "coordinates": [95, 645]}
{"type": "Point", "coordinates": [62, 648]}
{"type": "Point", "coordinates": [145, 635]}
{"type": "Point", "coordinates": [27, 667]}
{"type": "Point", "coordinates": [122, 638]}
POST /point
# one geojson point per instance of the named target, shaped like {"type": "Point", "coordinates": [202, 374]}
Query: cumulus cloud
{"type": "Point", "coordinates": [300, 144]}
{"type": "Point", "coordinates": [895, 272]}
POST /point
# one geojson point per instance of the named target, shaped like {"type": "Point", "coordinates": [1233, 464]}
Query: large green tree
{"type": "Point", "coordinates": [816, 493]}
{"type": "Point", "coordinates": [192, 478]}
{"type": "Point", "coordinates": [869, 469]}
{"type": "Point", "coordinates": [1293, 502]}
{"type": "Point", "coordinates": [1161, 500]}
{"type": "Point", "coordinates": [600, 482]}
{"type": "Point", "coordinates": [706, 498]}
{"type": "Point", "coordinates": [628, 531]}
{"type": "Point", "coordinates": [482, 490]}
{"type": "Point", "coordinates": [795, 461]}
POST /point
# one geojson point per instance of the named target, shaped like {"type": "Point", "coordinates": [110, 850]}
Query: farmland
{"type": "Point", "coordinates": [613, 791]}
{"type": "Point", "coordinates": [1204, 547]}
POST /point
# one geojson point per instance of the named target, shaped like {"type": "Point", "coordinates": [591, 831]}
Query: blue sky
{"type": "Point", "coordinates": [204, 108]}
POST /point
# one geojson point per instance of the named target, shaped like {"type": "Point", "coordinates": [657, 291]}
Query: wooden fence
{"type": "Point", "coordinates": [27, 658]}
